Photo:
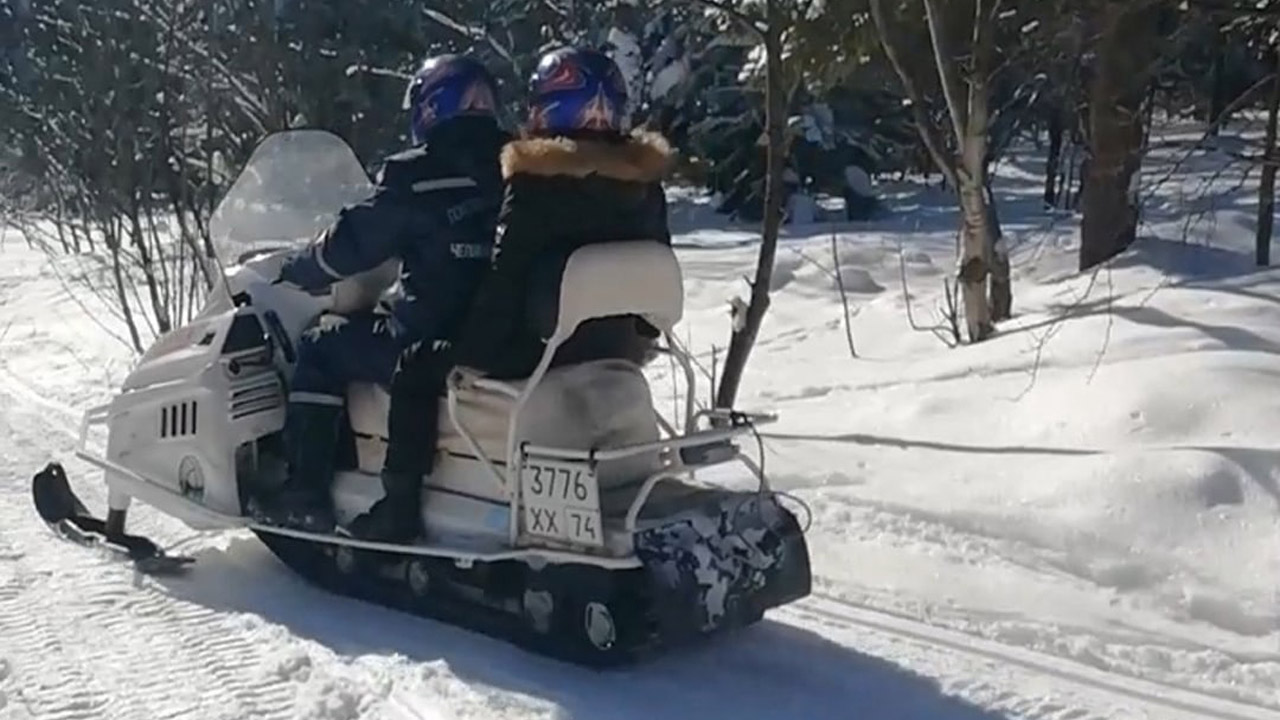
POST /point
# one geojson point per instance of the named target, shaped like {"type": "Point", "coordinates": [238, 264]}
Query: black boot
{"type": "Point", "coordinates": [397, 517]}
{"type": "Point", "coordinates": [304, 502]}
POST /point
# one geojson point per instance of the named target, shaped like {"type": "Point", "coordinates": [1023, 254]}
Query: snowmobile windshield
{"type": "Point", "coordinates": [292, 188]}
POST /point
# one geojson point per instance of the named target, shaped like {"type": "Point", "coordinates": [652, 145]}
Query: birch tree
{"type": "Point", "coordinates": [961, 44]}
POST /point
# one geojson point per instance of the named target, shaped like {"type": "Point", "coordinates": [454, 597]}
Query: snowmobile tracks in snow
{"type": "Point", "coordinates": [213, 668]}
{"type": "Point", "coordinates": [1159, 698]}
{"type": "Point", "coordinates": [30, 636]}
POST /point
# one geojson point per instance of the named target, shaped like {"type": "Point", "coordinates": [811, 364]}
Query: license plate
{"type": "Point", "coordinates": [561, 500]}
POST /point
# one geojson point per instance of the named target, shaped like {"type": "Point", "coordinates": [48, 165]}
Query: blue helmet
{"type": "Point", "coordinates": [447, 86]}
{"type": "Point", "coordinates": [577, 89]}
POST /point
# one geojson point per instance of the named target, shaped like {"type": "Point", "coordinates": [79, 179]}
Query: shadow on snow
{"type": "Point", "coordinates": [772, 670]}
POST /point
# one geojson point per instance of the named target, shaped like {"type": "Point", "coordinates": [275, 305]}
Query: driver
{"type": "Point", "coordinates": [435, 210]}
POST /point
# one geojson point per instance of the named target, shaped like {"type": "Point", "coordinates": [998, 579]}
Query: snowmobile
{"type": "Point", "coordinates": [565, 514]}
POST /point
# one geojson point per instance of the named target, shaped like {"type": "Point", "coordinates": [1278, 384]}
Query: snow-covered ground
{"type": "Point", "coordinates": [1077, 519]}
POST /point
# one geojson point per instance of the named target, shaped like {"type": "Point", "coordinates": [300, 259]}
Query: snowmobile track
{"type": "Point", "coordinates": [1149, 694]}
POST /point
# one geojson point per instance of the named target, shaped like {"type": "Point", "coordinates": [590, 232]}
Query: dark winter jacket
{"type": "Point", "coordinates": [562, 194]}
{"type": "Point", "coordinates": [435, 208]}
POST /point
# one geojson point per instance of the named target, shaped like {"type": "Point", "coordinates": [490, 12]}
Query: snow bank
{"type": "Point", "coordinates": [1103, 474]}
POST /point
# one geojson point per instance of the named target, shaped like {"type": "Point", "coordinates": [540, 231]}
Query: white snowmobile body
{"type": "Point", "coordinates": [571, 469]}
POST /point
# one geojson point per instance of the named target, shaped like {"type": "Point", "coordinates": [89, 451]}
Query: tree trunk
{"type": "Point", "coordinates": [117, 276]}
{"type": "Point", "coordinates": [971, 118]}
{"type": "Point", "coordinates": [747, 328]}
{"type": "Point", "coordinates": [1217, 81]}
{"type": "Point", "coordinates": [1267, 187]}
{"type": "Point", "coordinates": [1053, 166]}
{"type": "Point", "coordinates": [974, 266]}
{"type": "Point", "coordinates": [968, 117]}
{"type": "Point", "coordinates": [148, 265]}
{"type": "Point", "coordinates": [1001, 283]}
{"type": "Point", "coordinates": [1121, 72]}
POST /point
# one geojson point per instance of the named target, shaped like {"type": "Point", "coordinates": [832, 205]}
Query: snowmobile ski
{"type": "Point", "coordinates": [64, 512]}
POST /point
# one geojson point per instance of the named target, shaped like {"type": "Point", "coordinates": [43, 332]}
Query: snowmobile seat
{"type": "Point", "coordinates": [602, 403]}
{"type": "Point", "coordinates": [596, 404]}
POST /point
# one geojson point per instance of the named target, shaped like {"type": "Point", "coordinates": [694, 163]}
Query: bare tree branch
{"type": "Point", "coordinates": [844, 296]}
{"type": "Point", "coordinates": [473, 33]}
{"type": "Point", "coordinates": [944, 59]}
{"type": "Point", "coordinates": [892, 49]}
{"type": "Point", "coordinates": [1111, 320]}
{"type": "Point", "coordinates": [726, 7]}
{"type": "Point", "coordinates": [1224, 7]}
{"type": "Point", "coordinates": [939, 331]}
{"type": "Point", "coordinates": [1055, 326]}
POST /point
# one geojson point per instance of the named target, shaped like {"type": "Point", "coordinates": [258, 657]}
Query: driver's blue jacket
{"type": "Point", "coordinates": [435, 209]}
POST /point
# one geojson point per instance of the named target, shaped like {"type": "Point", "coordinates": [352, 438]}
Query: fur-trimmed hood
{"type": "Point", "coordinates": [642, 157]}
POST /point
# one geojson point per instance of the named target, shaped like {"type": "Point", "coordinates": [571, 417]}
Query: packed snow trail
{"type": "Point", "coordinates": [1154, 696]}
{"type": "Point", "coordinates": [83, 637]}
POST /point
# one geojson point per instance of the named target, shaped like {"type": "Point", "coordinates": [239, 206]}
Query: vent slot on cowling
{"type": "Point", "coordinates": [258, 395]}
{"type": "Point", "coordinates": [178, 420]}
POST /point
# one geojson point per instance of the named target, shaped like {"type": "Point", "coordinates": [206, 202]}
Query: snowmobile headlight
{"type": "Point", "coordinates": [191, 476]}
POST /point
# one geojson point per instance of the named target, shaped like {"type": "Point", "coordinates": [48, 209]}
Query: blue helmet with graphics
{"type": "Point", "coordinates": [577, 89]}
{"type": "Point", "coordinates": [448, 86]}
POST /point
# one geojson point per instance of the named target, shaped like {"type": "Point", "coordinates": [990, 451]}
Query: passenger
{"type": "Point", "coordinates": [434, 209]}
{"type": "Point", "coordinates": [576, 177]}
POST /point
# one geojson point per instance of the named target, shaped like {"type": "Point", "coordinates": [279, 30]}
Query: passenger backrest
{"type": "Point", "coordinates": [607, 336]}
{"type": "Point", "coordinates": [640, 277]}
